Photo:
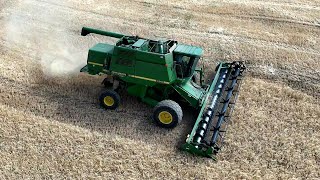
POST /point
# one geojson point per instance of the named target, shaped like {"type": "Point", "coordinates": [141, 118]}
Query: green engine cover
{"type": "Point", "coordinates": [99, 57]}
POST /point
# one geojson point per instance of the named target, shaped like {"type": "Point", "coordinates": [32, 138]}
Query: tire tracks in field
{"type": "Point", "coordinates": [303, 81]}
{"type": "Point", "coordinates": [230, 15]}
{"type": "Point", "coordinates": [191, 33]}
{"type": "Point", "coordinates": [276, 3]}
{"type": "Point", "coordinates": [273, 3]}
{"type": "Point", "coordinates": [277, 19]}
{"type": "Point", "coordinates": [204, 35]}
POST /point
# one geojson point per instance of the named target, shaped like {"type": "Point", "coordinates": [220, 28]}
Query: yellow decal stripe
{"type": "Point", "coordinates": [149, 79]}
{"type": "Point", "coordinates": [138, 77]}
{"type": "Point", "coordinates": [93, 63]}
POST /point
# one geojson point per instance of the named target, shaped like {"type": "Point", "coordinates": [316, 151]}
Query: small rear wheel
{"type": "Point", "coordinates": [167, 113]}
{"type": "Point", "coordinates": [109, 99]}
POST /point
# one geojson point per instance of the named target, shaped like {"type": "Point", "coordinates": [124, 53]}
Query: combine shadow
{"type": "Point", "coordinates": [75, 101]}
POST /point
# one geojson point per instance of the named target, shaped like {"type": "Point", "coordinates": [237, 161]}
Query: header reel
{"type": "Point", "coordinates": [207, 136]}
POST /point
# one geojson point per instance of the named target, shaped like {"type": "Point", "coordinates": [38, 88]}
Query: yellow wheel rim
{"type": "Point", "coordinates": [108, 100]}
{"type": "Point", "coordinates": [165, 117]}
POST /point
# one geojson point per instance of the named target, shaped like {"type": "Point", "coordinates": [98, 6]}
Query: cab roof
{"type": "Point", "coordinates": [188, 50]}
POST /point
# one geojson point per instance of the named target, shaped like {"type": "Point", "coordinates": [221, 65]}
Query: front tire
{"type": "Point", "coordinates": [167, 113]}
{"type": "Point", "coordinates": [109, 99]}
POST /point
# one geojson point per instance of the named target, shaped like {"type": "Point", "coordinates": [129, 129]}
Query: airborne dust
{"type": "Point", "coordinates": [59, 55]}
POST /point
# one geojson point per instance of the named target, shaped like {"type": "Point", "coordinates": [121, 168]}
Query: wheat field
{"type": "Point", "coordinates": [51, 126]}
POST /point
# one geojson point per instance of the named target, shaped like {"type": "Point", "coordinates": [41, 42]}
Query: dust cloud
{"type": "Point", "coordinates": [51, 44]}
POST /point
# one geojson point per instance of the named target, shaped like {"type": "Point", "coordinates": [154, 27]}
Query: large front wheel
{"type": "Point", "coordinates": [167, 113]}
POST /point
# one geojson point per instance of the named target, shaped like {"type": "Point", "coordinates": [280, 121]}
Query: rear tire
{"type": "Point", "coordinates": [109, 99]}
{"type": "Point", "coordinates": [167, 114]}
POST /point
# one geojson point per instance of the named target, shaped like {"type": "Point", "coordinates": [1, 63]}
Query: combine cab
{"type": "Point", "coordinates": [164, 74]}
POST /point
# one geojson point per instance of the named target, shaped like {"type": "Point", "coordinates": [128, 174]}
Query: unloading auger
{"type": "Point", "coordinates": [164, 74]}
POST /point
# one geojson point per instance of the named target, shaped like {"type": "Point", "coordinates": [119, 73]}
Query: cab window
{"type": "Point", "coordinates": [184, 65]}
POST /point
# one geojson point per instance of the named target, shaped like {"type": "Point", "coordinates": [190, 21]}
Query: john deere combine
{"type": "Point", "coordinates": [164, 74]}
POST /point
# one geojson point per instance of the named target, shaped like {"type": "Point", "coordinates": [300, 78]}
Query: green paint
{"type": "Point", "coordinates": [192, 94]}
{"type": "Point", "coordinates": [145, 62]}
{"type": "Point", "coordinates": [188, 50]}
{"type": "Point", "coordinates": [154, 71]}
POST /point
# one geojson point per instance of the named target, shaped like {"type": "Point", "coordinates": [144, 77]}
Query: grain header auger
{"type": "Point", "coordinates": [163, 74]}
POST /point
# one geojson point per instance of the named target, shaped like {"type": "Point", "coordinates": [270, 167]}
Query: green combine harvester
{"type": "Point", "coordinates": [164, 74]}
